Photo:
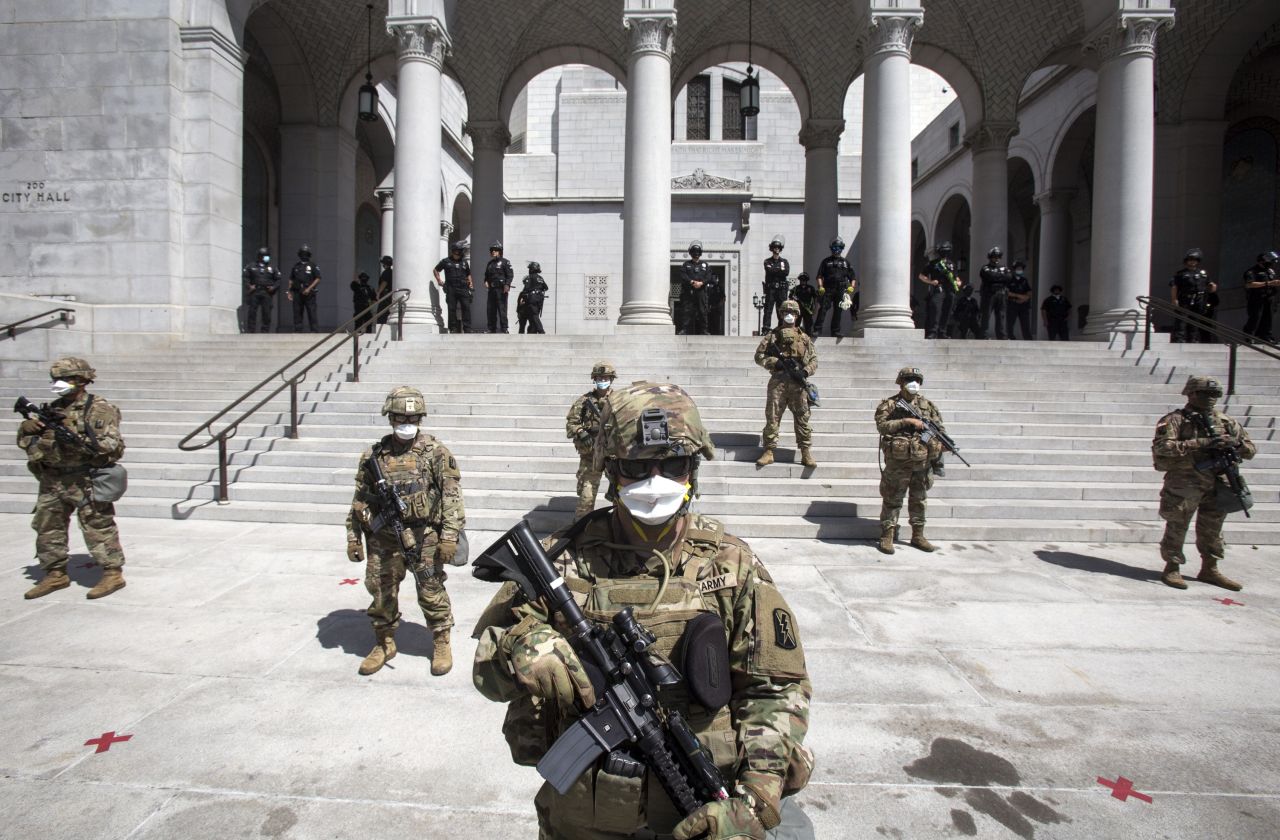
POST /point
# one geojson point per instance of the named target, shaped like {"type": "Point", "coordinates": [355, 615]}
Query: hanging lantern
{"type": "Point", "coordinates": [750, 94]}
{"type": "Point", "coordinates": [368, 99]}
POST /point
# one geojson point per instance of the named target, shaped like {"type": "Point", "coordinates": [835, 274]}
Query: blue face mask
{"type": "Point", "coordinates": [603, 384]}
{"type": "Point", "coordinates": [266, 260]}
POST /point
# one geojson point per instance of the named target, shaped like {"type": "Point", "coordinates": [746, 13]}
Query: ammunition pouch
{"type": "Point", "coordinates": [109, 482]}
{"type": "Point", "coordinates": [704, 661]}
{"type": "Point", "coordinates": [909, 449]}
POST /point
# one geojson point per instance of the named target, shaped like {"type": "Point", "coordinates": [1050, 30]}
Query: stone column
{"type": "Point", "coordinates": [990, 227]}
{"type": "Point", "coordinates": [1053, 261]}
{"type": "Point", "coordinates": [422, 44]}
{"type": "Point", "coordinates": [715, 107]}
{"type": "Point", "coordinates": [646, 213]}
{"type": "Point", "coordinates": [489, 142]}
{"type": "Point", "coordinates": [387, 205]}
{"type": "Point", "coordinates": [886, 169]}
{"type": "Point", "coordinates": [1123, 170]}
{"type": "Point", "coordinates": [821, 141]}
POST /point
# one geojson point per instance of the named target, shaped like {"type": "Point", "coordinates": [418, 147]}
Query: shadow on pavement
{"type": "Point", "coordinates": [81, 568]}
{"type": "Point", "coordinates": [839, 521]}
{"type": "Point", "coordinates": [1097, 565]}
{"type": "Point", "coordinates": [350, 630]}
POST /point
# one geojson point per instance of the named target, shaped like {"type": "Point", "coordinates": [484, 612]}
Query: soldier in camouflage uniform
{"type": "Point", "coordinates": [580, 426]}
{"type": "Point", "coordinates": [424, 472]}
{"type": "Point", "coordinates": [788, 340]}
{"type": "Point", "coordinates": [1182, 438]}
{"type": "Point", "coordinates": [65, 485]}
{"type": "Point", "coordinates": [907, 461]}
{"type": "Point", "coordinates": [651, 553]}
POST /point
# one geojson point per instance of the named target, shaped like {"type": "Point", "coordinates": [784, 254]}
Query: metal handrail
{"type": "Point", "coordinates": [66, 315]}
{"type": "Point", "coordinates": [397, 300]}
{"type": "Point", "coordinates": [1229, 336]}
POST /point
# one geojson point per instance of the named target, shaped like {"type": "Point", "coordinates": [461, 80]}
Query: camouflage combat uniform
{"type": "Point", "coordinates": [65, 486]}
{"type": "Point", "coordinates": [580, 426]}
{"type": "Point", "coordinates": [427, 478]}
{"type": "Point", "coordinates": [906, 462]}
{"type": "Point", "coordinates": [1181, 439]}
{"type": "Point", "coordinates": [784, 392]}
{"type": "Point", "coordinates": [757, 739]}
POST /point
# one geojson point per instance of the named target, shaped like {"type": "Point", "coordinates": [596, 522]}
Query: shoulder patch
{"type": "Point", "coordinates": [784, 635]}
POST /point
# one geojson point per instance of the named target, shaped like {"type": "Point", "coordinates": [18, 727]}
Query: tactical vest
{"type": "Point", "coordinates": [88, 417]}
{"type": "Point", "coordinates": [411, 473]}
{"type": "Point", "coordinates": [905, 447]}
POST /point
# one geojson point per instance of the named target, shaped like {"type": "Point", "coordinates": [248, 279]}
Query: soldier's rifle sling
{"type": "Point", "coordinates": [931, 430]}
{"type": "Point", "coordinates": [393, 508]}
{"type": "Point", "coordinates": [1225, 461]}
{"type": "Point", "coordinates": [52, 420]}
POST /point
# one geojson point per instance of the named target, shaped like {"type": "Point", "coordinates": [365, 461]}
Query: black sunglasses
{"type": "Point", "coordinates": [674, 467]}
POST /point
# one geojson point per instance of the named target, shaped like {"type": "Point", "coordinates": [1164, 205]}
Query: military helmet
{"type": "Point", "coordinates": [405, 400]}
{"type": "Point", "coordinates": [603, 369]}
{"type": "Point", "coordinates": [651, 420]}
{"type": "Point", "coordinates": [944, 248]}
{"type": "Point", "coordinates": [909, 373]}
{"type": "Point", "coordinates": [695, 247]}
{"type": "Point", "coordinates": [535, 266]}
{"type": "Point", "coordinates": [1193, 254]}
{"type": "Point", "coordinates": [790, 306]}
{"type": "Point", "coordinates": [1202, 383]}
{"type": "Point", "coordinates": [264, 251]}
{"type": "Point", "coordinates": [70, 366]}
{"type": "Point", "coordinates": [995, 252]}
{"type": "Point", "coordinates": [779, 241]}
{"type": "Point", "coordinates": [496, 245]}
{"type": "Point", "coordinates": [837, 244]}
{"type": "Point", "coordinates": [304, 253]}
{"type": "Point", "coordinates": [1268, 257]}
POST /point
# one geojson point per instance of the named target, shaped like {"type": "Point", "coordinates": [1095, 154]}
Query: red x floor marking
{"type": "Point", "coordinates": [105, 740]}
{"type": "Point", "coordinates": [349, 581]}
{"type": "Point", "coordinates": [1122, 789]}
{"type": "Point", "coordinates": [1227, 602]}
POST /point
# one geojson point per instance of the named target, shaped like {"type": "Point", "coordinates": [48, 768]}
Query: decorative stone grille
{"type": "Point", "coordinates": [596, 305]}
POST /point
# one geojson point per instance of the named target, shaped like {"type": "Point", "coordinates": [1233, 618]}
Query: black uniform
{"type": "Point", "coordinates": [966, 315]}
{"type": "Point", "coordinates": [995, 298]}
{"type": "Point", "coordinates": [807, 296]}
{"type": "Point", "coordinates": [1019, 313]}
{"type": "Point", "coordinates": [776, 270]}
{"type": "Point", "coordinates": [697, 302]}
{"type": "Point", "coordinates": [362, 297]}
{"type": "Point", "coordinates": [1258, 302]}
{"type": "Point", "coordinates": [457, 294]}
{"type": "Point", "coordinates": [385, 284]}
{"type": "Point", "coordinates": [529, 304]}
{"type": "Point", "coordinates": [262, 281]}
{"type": "Point", "coordinates": [300, 278]}
{"type": "Point", "coordinates": [1192, 288]}
{"type": "Point", "coordinates": [497, 279]}
{"type": "Point", "coordinates": [835, 276]}
{"type": "Point", "coordinates": [940, 299]}
{"type": "Point", "coordinates": [1057, 317]}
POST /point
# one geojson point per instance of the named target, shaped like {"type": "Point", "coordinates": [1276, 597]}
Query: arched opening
{"type": "Point", "coordinates": [1067, 210]}
{"type": "Point", "coordinates": [953, 226]}
{"type": "Point", "coordinates": [1023, 216]}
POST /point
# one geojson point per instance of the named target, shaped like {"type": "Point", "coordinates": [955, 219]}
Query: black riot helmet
{"type": "Point", "coordinates": [495, 245]}
{"type": "Point", "coordinates": [535, 268]}
{"type": "Point", "coordinates": [1017, 264]}
{"type": "Point", "coordinates": [944, 249]}
{"type": "Point", "coordinates": [304, 253]}
{"type": "Point", "coordinates": [837, 245]}
{"type": "Point", "coordinates": [1268, 257]}
{"type": "Point", "coordinates": [457, 248]}
{"type": "Point", "coordinates": [387, 261]}
{"type": "Point", "coordinates": [776, 242]}
{"type": "Point", "coordinates": [1193, 254]}
{"type": "Point", "coordinates": [995, 252]}
{"type": "Point", "coordinates": [363, 277]}
{"type": "Point", "coordinates": [695, 248]}
{"type": "Point", "coordinates": [802, 277]}
{"type": "Point", "coordinates": [263, 252]}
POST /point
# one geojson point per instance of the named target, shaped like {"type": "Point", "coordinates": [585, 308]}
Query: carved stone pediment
{"type": "Point", "coordinates": [700, 180]}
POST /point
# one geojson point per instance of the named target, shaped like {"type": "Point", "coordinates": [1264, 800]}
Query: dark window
{"type": "Point", "coordinates": [698, 111]}
{"type": "Point", "coordinates": [915, 168]}
{"type": "Point", "coordinates": [732, 123]}
{"type": "Point", "coordinates": [953, 138]}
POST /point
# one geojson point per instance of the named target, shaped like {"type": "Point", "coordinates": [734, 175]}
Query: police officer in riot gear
{"type": "Point", "coordinates": [994, 294]}
{"type": "Point", "coordinates": [835, 279]}
{"type": "Point", "coordinates": [303, 280]}
{"type": "Point", "coordinates": [776, 269]}
{"type": "Point", "coordinates": [386, 281]}
{"type": "Point", "coordinates": [362, 297]}
{"type": "Point", "coordinates": [262, 281]}
{"type": "Point", "coordinates": [1260, 288]}
{"type": "Point", "coordinates": [1189, 290]}
{"type": "Point", "coordinates": [940, 276]}
{"type": "Point", "coordinates": [697, 290]}
{"type": "Point", "coordinates": [458, 288]}
{"type": "Point", "coordinates": [807, 296]}
{"type": "Point", "coordinates": [1019, 301]}
{"type": "Point", "coordinates": [497, 279]}
{"type": "Point", "coordinates": [529, 303]}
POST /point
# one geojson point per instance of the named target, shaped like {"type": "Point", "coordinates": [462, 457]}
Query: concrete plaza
{"type": "Point", "coordinates": [981, 691]}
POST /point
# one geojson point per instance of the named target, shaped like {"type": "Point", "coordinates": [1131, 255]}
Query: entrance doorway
{"type": "Point", "coordinates": [716, 323]}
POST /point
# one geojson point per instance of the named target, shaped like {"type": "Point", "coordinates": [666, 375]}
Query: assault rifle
{"type": "Point", "coordinates": [795, 371]}
{"type": "Point", "coordinates": [52, 419]}
{"type": "Point", "coordinates": [627, 722]}
{"type": "Point", "coordinates": [932, 431]}
{"type": "Point", "coordinates": [392, 511]}
{"type": "Point", "coordinates": [1224, 460]}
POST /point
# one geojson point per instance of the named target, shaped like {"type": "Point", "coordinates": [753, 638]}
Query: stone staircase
{"type": "Point", "coordinates": [1058, 434]}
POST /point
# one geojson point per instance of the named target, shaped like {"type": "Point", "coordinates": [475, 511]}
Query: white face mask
{"type": "Point", "coordinates": [654, 500]}
{"type": "Point", "coordinates": [789, 318]}
{"type": "Point", "coordinates": [61, 387]}
{"type": "Point", "coordinates": [407, 431]}
{"type": "Point", "coordinates": [913, 387]}
{"type": "Point", "coordinates": [603, 384]}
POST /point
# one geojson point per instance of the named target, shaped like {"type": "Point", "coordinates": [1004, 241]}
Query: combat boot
{"type": "Point", "coordinates": [885, 546]}
{"type": "Point", "coordinates": [385, 649]}
{"type": "Point", "coordinates": [1172, 576]}
{"type": "Point", "coordinates": [1209, 574]}
{"type": "Point", "coordinates": [112, 579]}
{"type": "Point", "coordinates": [52, 582]}
{"type": "Point", "coordinates": [765, 459]}
{"type": "Point", "coordinates": [918, 539]}
{"type": "Point", "coordinates": [806, 458]}
{"type": "Point", "coordinates": [441, 655]}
